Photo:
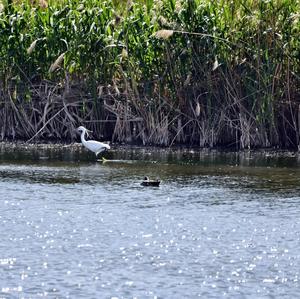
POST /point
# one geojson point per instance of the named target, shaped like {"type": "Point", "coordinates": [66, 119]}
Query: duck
{"type": "Point", "coordinates": [148, 182]}
{"type": "Point", "coordinates": [95, 146]}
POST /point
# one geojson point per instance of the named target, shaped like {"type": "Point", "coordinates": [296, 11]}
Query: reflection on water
{"type": "Point", "coordinates": [220, 225]}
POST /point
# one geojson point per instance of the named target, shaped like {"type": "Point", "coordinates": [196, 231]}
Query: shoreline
{"type": "Point", "coordinates": [269, 152]}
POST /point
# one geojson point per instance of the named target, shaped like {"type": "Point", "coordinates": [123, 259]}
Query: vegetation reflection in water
{"type": "Point", "coordinates": [269, 170]}
{"type": "Point", "coordinates": [220, 225]}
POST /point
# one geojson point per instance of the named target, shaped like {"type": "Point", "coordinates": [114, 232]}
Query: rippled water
{"type": "Point", "coordinates": [221, 225]}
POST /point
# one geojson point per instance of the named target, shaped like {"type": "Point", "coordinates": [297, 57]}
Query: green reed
{"type": "Point", "coordinates": [156, 71]}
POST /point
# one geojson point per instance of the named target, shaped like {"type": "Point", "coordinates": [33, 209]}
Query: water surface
{"type": "Point", "coordinates": [221, 225]}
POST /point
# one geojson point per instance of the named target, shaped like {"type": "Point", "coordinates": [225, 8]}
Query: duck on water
{"type": "Point", "coordinates": [148, 182]}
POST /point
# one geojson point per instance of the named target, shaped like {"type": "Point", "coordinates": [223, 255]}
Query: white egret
{"type": "Point", "coordinates": [93, 145]}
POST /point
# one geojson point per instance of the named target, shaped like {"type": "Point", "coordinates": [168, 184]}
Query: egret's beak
{"type": "Point", "coordinates": [88, 131]}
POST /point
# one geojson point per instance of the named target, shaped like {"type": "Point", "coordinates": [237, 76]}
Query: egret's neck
{"type": "Point", "coordinates": [82, 137]}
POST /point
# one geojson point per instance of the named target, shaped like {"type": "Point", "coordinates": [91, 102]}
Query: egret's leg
{"type": "Point", "coordinates": [102, 160]}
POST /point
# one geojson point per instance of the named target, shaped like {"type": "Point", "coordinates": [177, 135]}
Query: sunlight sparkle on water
{"type": "Point", "coordinates": [207, 230]}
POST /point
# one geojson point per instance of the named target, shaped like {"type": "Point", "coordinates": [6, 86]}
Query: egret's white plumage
{"type": "Point", "coordinates": [93, 145]}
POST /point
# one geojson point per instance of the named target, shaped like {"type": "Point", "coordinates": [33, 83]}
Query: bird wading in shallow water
{"type": "Point", "coordinates": [93, 145]}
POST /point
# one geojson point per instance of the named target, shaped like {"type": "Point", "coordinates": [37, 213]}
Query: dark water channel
{"type": "Point", "coordinates": [221, 225]}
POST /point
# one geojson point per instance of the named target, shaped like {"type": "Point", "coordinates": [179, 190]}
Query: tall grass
{"type": "Point", "coordinates": [161, 72]}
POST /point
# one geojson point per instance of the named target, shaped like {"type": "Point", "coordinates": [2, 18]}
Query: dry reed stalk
{"type": "Point", "coordinates": [43, 4]}
{"type": "Point", "coordinates": [197, 109]}
{"type": "Point", "coordinates": [187, 81]}
{"type": "Point", "coordinates": [164, 33]}
{"type": "Point", "coordinates": [179, 131]}
{"type": "Point", "coordinates": [32, 46]}
{"type": "Point", "coordinates": [124, 53]}
{"type": "Point", "coordinates": [41, 129]}
{"type": "Point", "coordinates": [215, 65]}
{"type": "Point", "coordinates": [57, 63]}
{"type": "Point", "coordinates": [18, 115]}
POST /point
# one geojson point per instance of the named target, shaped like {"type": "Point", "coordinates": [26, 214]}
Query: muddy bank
{"type": "Point", "coordinates": [183, 150]}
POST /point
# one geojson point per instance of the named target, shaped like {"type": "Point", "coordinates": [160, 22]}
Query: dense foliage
{"type": "Point", "coordinates": [159, 72]}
